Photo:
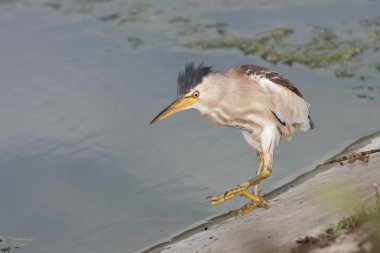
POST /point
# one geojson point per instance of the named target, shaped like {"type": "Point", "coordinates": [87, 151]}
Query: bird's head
{"type": "Point", "coordinates": [192, 92]}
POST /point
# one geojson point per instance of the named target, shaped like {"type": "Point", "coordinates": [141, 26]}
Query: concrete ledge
{"type": "Point", "coordinates": [297, 209]}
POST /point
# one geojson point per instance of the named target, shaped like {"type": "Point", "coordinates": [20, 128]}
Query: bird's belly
{"type": "Point", "coordinates": [250, 120]}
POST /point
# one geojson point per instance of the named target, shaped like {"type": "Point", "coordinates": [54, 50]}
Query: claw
{"type": "Point", "coordinates": [247, 208]}
{"type": "Point", "coordinates": [256, 200]}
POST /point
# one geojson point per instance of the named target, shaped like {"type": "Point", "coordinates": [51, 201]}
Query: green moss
{"type": "Point", "coordinates": [277, 34]}
{"type": "Point", "coordinates": [191, 29]}
{"type": "Point", "coordinates": [317, 59]}
{"type": "Point", "coordinates": [343, 73]}
{"type": "Point", "coordinates": [179, 19]}
{"type": "Point", "coordinates": [366, 91]}
{"type": "Point", "coordinates": [324, 33]}
{"type": "Point", "coordinates": [221, 30]}
{"type": "Point", "coordinates": [339, 50]}
{"type": "Point", "coordinates": [138, 8]}
{"type": "Point", "coordinates": [137, 13]}
{"type": "Point", "coordinates": [368, 23]}
{"type": "Point", "coordinates": [324, 50]}
{"type": "Point", "coordinates": [372, 28]}
{"type": "Point", "coordinates": [131, 19]}
{"type": "Point", "coordinates": [135, 42]}
{"type": "Point", "coordinates": [364, 96]}
{"type": "Point", "coordinates": [52, 5]}
{"type": "Point", "coordinates": [222, 43]}
{"type": "Point", "coordinates": [364, 88]}
{"type": "Point", "coordinates": [110, 17]}
{"type": "Point", "coordinates": [377, 66]}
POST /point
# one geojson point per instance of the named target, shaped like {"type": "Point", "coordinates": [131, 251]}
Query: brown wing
{"type": "Point", "coordinates": [261, 72]}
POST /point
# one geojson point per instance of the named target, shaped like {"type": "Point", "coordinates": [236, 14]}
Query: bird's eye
{"type": "Point", "coordinates": [196, 94]}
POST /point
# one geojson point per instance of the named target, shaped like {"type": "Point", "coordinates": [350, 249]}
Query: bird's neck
{"type": "Point", "coordinates": [215, 114]}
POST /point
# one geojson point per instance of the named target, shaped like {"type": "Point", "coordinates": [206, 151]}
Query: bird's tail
{"type": "Point", "coordinates": [311, 123]}
{"type": "Point", "coordinates": [307, 126]}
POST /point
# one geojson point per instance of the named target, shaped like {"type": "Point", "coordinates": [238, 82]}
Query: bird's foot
{"type": "Point", "coordinates": [247, 208]}
{"type": "Point", "coordinates": [256, 200]}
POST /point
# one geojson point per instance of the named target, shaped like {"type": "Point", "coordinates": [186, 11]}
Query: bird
{"type": "Point", "coordinates": [263, 104]}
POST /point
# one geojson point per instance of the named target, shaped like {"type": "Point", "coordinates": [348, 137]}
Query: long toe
{"type": "Point", "coordinates": [247, 208]}
{"type": "Point", "coordinates": [238, 190]}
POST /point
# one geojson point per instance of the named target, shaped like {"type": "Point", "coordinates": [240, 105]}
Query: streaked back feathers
{"type": "Point", "coordinates": [261, 72]}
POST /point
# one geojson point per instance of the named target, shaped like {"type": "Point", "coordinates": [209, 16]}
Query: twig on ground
{"type": "Point", "coordinates": [352, 157]}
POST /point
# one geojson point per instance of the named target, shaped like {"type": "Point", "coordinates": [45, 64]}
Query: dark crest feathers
{"type": "Point", "coordinates": [191, 77]}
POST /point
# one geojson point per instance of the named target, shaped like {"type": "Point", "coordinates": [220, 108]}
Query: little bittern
{"type": "Point", "coordinates": [263, 104]}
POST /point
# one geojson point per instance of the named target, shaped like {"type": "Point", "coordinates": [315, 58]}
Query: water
{"type": "Point", "coordinates": [81, 170]}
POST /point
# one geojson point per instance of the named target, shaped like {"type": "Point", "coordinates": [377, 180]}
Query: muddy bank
{"type": "Point", "coordinates": [304, 206]}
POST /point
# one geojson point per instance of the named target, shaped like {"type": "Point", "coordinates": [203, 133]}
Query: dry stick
{"type": "Point", "coordinates": [352, 157]}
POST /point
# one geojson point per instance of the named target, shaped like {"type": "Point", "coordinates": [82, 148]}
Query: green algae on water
{"type": "Point", "coordinates": [135, 42]}
{"type": "Point", "coordinates": [191, 29]}
{"type": "Point", "coordinates": [366, 91]}
{"type": "Point", "coordinates": [110, 17]}
{"type": "Point", "coordinates": [377, 66]}
{"type": "Point", "coordinates": [323, 50]}
{"type": "Point", "coordinates": [179, 19]}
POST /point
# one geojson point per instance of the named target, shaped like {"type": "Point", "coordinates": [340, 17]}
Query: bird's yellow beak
{"type": "Point", "coordinates": [180, 104]}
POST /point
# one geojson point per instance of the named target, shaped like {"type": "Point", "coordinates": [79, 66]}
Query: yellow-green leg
{"type": "Point", "coordinates": [247, 208]}
{"type": "Point", "coordinates": [260, 160]}
{"type": "Point", "coordinates": [256, 201]}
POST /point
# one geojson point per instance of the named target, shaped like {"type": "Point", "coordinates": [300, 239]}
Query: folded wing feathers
{"type": "Point", "coordinates": [290, 107]}
{"type": "Point", "coordinates": [258, 72]}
